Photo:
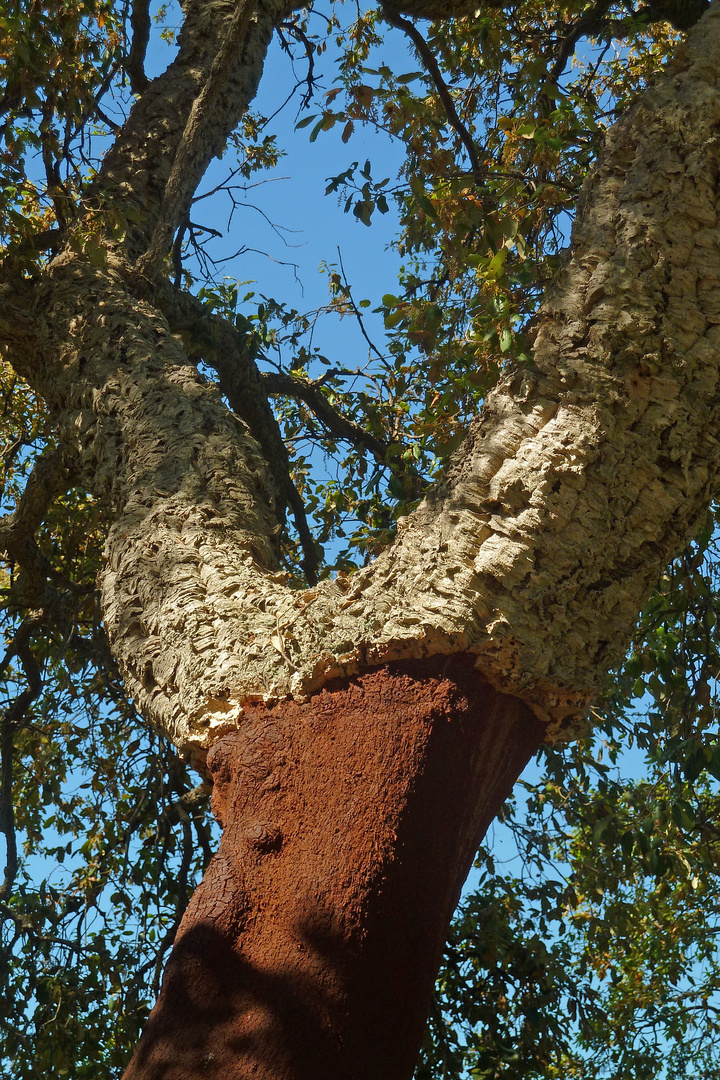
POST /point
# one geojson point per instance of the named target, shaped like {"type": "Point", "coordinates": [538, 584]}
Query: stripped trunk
{"type": "Point", "coordinates": [351, 813]}
{"type": "Point", "coordinates": [311, 947]}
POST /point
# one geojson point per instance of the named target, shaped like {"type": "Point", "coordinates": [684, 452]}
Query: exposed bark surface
{"type": "Point", "coordinates": [587, 470]}
{"type": "Point", "coordinates": [350, 823]}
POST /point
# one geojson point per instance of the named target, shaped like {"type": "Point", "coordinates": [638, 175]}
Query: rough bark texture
{"type": "Point", "coordinates": [310, 949]}
{"type": "Point", "coordinates": [585, 472]}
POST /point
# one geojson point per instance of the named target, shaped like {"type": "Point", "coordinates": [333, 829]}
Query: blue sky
{"type": "Point", "coordinates": [288, 223]}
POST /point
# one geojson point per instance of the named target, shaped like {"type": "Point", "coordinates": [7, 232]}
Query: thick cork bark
{"type": "Point", "coordinates": [587, 470]}
{"type": "Point", "coordinates": [350, 823]}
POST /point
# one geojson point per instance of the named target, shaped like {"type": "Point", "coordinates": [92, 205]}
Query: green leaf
{"type": "Point", "coordinates": [317, 129]}
{"type": "Point", "coordinates": [425, 204]}
{"type": "Point", "coordinates": [95, 251]}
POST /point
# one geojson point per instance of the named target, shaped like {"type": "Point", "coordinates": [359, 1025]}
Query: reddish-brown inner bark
{"type": "Point", "coordinates": [310, 948]}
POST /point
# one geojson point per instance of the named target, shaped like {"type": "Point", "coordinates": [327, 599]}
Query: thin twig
{"type": "Point", "coordinates": [357, 313]}
{"type": "Point", "coordinates": [309, 79]}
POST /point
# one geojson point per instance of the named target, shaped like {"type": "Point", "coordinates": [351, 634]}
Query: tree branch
{"type": "Point", "coordinates": [48, 479]}
{"type": "Point", "coordinates": [135, 63]}
{"type": "Point", "coordinates": [190, 162]}
{"type": "Point", "coordinates": [588, 468]}
{"type": "Point", "coordinates": [682, 14]}
{"type": "Point", "coordinates": [445, 9]}
{"type": "Point", "coordinates": [47, 240]}
{"type": "Point", "coordinates": [7, 811]}
{"type": "Point", "coordinates": [591, 22]}
{"type": "Point", "coordinates": [185, 105]}
{"type": "Point", "coordinates": [186, 803]}
{"type": "Point", "coordinates": [12, 721]}
{"type": "Point", "coordinates": [211, 338]}
{"type": "Point", "coordinates": [444, 94]}
{"type": "Point", "coordinates": [335, 423]}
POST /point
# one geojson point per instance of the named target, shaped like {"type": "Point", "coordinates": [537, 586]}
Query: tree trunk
{"type": "Point", "coordinates": [350, 823]}
{"type": "Point", "coordinates": [352, 812]}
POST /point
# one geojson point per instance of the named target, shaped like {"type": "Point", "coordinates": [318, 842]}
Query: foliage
{"type": "Point", "coordinates": [593, 952]}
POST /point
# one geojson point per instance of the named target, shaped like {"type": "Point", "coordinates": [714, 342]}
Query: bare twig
{"type": "Point", "coordinates": [309, 79]}
{"type": "Point", "coordinates": [357, 313]}
{"type": "Point", "coordinates": [93, 109]}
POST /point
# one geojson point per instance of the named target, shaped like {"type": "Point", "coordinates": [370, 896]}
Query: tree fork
{"type": "Point", "coordinates": [351, 817]}
{"type": "Point", "coordinates": [350, 823]}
